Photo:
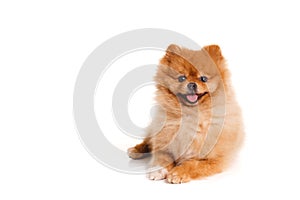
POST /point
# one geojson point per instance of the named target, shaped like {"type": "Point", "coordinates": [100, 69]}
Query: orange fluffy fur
{"type": "Point", "coordinates": [194, 140]}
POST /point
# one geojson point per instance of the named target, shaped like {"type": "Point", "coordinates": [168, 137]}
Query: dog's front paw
{"type": "Point", "coordinates": [158, 175]}
{"type": "Point", "coordinates": [134, 154]}
{"type": "Point", "coordinates": [178, 175]}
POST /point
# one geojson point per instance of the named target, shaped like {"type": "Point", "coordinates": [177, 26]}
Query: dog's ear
{"type": "Point", "coordinates": [215, 53]}
{"type": "Point", "coordinates": [173, 49]}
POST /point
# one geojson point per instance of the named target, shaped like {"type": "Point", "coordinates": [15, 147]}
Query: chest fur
{"type": "Point", "coordinates": [188, 138]}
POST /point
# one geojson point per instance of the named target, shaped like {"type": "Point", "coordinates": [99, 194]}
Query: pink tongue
{"type": "Point", "coordinates": [192, 98]}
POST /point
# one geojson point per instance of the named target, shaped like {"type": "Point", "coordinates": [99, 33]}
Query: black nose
{"type": "Point", "coordinates": [192, 86]}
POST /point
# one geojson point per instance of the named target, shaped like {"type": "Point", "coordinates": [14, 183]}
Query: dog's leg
{"type": "Point", "coordinates": [194, 169]}
{"type": "Point", "coordinates": [164, 162]}
{"type": "Point", "coordinates": [140, 150]}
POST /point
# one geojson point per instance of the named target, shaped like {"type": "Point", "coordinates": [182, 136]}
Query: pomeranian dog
{"type": "Point", "coordinates": [198, 128]}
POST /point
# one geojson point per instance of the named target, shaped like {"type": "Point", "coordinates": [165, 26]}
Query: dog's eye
{"type": "Point", "coordinates": [203, 79]}
{"type": "Point", "coordinates": [181, 78]}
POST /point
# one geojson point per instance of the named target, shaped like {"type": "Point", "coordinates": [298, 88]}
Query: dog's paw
{"type": "Point", "coordinates": [178, 175]}
{"type": "Point", "coordinates": [158, 175]}
{"type": "Point", "coordinates": [134, 154]}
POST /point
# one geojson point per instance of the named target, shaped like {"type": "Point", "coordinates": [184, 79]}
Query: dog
{"type": "Point", "coordinates": [198, 128]}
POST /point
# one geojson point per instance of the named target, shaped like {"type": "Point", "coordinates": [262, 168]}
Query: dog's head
{"type": "Point", "coordinates": [191, 76]}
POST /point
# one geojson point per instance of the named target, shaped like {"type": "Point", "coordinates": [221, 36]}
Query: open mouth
{"type": "Point", "coordinates": [192, 98]}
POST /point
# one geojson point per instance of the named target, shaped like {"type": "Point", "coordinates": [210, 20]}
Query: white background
{"type": "Point", "coordinates": [43, 45]}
